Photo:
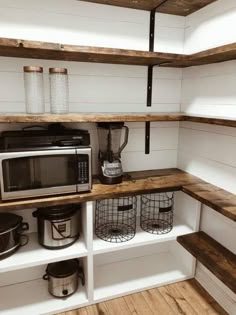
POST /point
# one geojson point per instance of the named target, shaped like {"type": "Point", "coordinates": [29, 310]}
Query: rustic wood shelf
{"type": "Point", "coordinates": [180, 7]}
{"type": "Point", "coordinates": [56, 51]}
{"type": "Point", "coordinates": [142, 182]}
{"type": "Point", "coordinates": [90, 117]}
{"type": "Point", "coordinates": [109, 117]}
{"type": "Point", "coordinates": [215, 257]}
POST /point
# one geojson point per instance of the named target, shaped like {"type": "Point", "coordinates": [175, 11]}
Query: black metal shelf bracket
{"type": "Point", "coordinates": [149, 79]}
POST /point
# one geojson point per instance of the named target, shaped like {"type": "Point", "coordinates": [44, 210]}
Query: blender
{"type": "Point", "coordinates": [109, 136]}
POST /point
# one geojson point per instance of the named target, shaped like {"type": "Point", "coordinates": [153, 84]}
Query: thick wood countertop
{"type": "Point", "coordinates": [142, 182]}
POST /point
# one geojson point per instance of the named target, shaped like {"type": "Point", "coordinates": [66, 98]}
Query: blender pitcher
{"type": "Point", "coordinates": [109, 136]}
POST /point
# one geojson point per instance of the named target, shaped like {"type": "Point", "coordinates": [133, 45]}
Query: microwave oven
{"type": "Point", "coordinates": [48, 171]}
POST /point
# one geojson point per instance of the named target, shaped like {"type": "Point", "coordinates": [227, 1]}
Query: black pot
{"type": "Point", "coordinates": [58, 226]}
{"type": "Point", "coordinates": [63, 277]}
{"type": "Point", "coordinates": [11, 237]}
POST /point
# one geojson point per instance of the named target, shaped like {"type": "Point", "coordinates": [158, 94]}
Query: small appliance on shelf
{"type": "Point", "coordinates": [109, 136]}
{"type": "Point", "coordinates": [53, 160]}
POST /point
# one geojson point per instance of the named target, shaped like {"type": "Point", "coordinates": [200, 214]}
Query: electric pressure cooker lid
{"type": "Point", "coordinates": [9, 221]}
{"type": "Point", "coordinates": [56, 212]}
{"type": "Point", "coordinates": [62, 269]}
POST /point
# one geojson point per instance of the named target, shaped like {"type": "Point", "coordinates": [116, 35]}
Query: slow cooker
{"type": "Point", "coordinates": [11, 234]}
{"type": "Point", "coordinates": [58, 226]}
{"type": "Point", "coordinates": [63, 277]}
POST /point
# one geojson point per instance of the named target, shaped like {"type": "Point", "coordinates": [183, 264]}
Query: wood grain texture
{"type": "Point", "coordinates": [180, 7]}
{"type": "Point", "coordinates": [142, 182]}
{"type": "Point", "coordinates": [90, 117]}
{"type": "Point", "coordinates": [154, 302]}
{"type": "Point", "coordinates": [130, 186]}
{"type": "Point", "coordinates": [215, 257]}
{"type": "Point", "coordinates": [57, 51]}
{"type": "Point", "coordinates": [109, 117]}
{"type": "Point", "coordinates": [216, 198]}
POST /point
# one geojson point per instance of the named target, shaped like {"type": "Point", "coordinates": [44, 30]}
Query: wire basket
{"type": "Point", "coordinates": [115, 219]}
{"type": "Point", "coordinates": [157, 213]}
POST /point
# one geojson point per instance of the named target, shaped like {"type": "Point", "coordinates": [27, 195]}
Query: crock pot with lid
{"type": "Point", "coordinates": [58, 226]}
{"type": "Point", "coordinates": [63, 277]}
{"type": "Point", "coordinates": [11, 237]}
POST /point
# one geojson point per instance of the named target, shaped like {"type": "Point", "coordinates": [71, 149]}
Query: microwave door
{"type": "Point", "coordinates": [37, 173]}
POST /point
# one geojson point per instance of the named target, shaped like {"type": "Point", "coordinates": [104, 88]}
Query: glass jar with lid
{"type": "Point", "coordinates": [34, 91]}
{"type": "Point", "coordinates": [59, 91]}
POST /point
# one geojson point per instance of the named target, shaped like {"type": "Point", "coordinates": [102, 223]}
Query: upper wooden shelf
{"type": "Point", "coordinates": [111, 117]}
{"type": "Point", "coordinates": [215, 257]}
{"type": "Point", "coordinates": [176, 7]}
{"type": "Point", "coordinates": [142, 182]}
{"type": "Point", "coordinates": [56, 51]}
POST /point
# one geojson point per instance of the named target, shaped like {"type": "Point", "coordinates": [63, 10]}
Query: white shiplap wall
{"type": "Point", "coordinates": [99, 87]}
{"type": "Point", "coordinates": [204, 150]}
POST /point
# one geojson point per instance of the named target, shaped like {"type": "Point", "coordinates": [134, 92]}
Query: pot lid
{"type": "Point", "coordinates": [56, 212]}
{"type": "Point", "coordinates": [63, 268]}
{"type": "Point", "coordinates": [9, 221]}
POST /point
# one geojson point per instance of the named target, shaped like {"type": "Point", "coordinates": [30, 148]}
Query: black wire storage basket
{"type": "Point", "coordinates": [157, 212]}
{"type": "Point", "coordinates": [115, 219]}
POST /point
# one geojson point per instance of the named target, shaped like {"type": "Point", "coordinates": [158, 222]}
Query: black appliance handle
{"type": "Point", "coordinates": [125, 139]}
{"type": "Point", "coordinates": [81, 273]}
{"type": "Point", "coordinates": [24, 239]}
{"type": "Point", "coordinates": [46, 277]}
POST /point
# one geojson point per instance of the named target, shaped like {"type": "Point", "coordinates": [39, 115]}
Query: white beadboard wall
{"type": "Point", "coordinates": [204, 150]}
{"type": "Point", "coordinates": [99, 87]}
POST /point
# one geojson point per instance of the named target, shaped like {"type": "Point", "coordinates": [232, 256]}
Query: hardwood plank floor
{"type": "Point", "coordinates": [182, 298]}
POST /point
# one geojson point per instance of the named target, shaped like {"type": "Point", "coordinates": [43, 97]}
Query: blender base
{"type": "Point", "coordinates": [110, 180]}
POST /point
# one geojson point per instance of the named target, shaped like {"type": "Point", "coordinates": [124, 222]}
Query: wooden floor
{"type": "Point", "coordinates": [185, 298]}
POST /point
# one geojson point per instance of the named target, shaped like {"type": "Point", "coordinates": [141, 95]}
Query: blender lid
{"type": "Point", "coordinates": [57, 212]}
{"type": "Point", "coordinates": [110, 125]}
{"type": "Point", "coordinates": [62, 269]}
{"type": "Point", "coordinates": [9, 221]}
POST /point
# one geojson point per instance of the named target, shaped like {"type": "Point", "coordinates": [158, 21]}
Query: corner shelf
{"type": "Point", "coordinates": [34, 254]}
{"type": "Point", "coordinates": [215, 257]}
{"type": "Point", "coordinates": [57, 51]}
{"type": "Point", "coordinates": [182, 8]}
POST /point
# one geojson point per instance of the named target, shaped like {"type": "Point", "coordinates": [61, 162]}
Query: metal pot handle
{"type": "Point", "coordinates": [45, 277]}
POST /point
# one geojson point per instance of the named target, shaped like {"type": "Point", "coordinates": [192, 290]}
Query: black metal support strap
{"type": "Point", "coordinates": [149, 79]}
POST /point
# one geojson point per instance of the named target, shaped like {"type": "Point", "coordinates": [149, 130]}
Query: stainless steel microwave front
{"type": "Point", "coordinates": [25, 193]}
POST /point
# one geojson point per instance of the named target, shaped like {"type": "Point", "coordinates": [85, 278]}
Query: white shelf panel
{"type": "Point", "coordinates": [129, 276]}
{"type": "Point", "coordinates": [34, 254]}
{"type": "Point", "coordinates": [32, 297]}
{"type": "Point", "coordinates": [142, 238]}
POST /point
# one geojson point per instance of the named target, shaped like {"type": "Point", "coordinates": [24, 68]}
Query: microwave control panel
{"type": "Point", "coordinates": [83, 169]}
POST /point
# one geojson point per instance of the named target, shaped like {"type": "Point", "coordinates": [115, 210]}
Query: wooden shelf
{"type": "Point", "coordinates": [137, 183]}
{"type": "Point", "coordinates": [180, 7]}
{"type": "Point", "coordinates": [56, 51]}
{"type": "Point", "coordinates": [215, 257]}
{"type": "Point", "coordinates": [109, 117]}
{"type": "Point", "coordinates": [90, 117]}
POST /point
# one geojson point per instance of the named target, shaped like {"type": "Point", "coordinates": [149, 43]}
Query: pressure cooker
{"type": "Point", "coordinates": [58, 226]}
{"type": "Point", "coordinates": [63, 277]}
{"type": "Point", "coordinates": [11, 233]}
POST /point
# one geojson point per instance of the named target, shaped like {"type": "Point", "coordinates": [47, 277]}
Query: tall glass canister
{"type": "Point", "coordinates": [59, 91]}
{"type": "Point", "coordinates": [34, 91]}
